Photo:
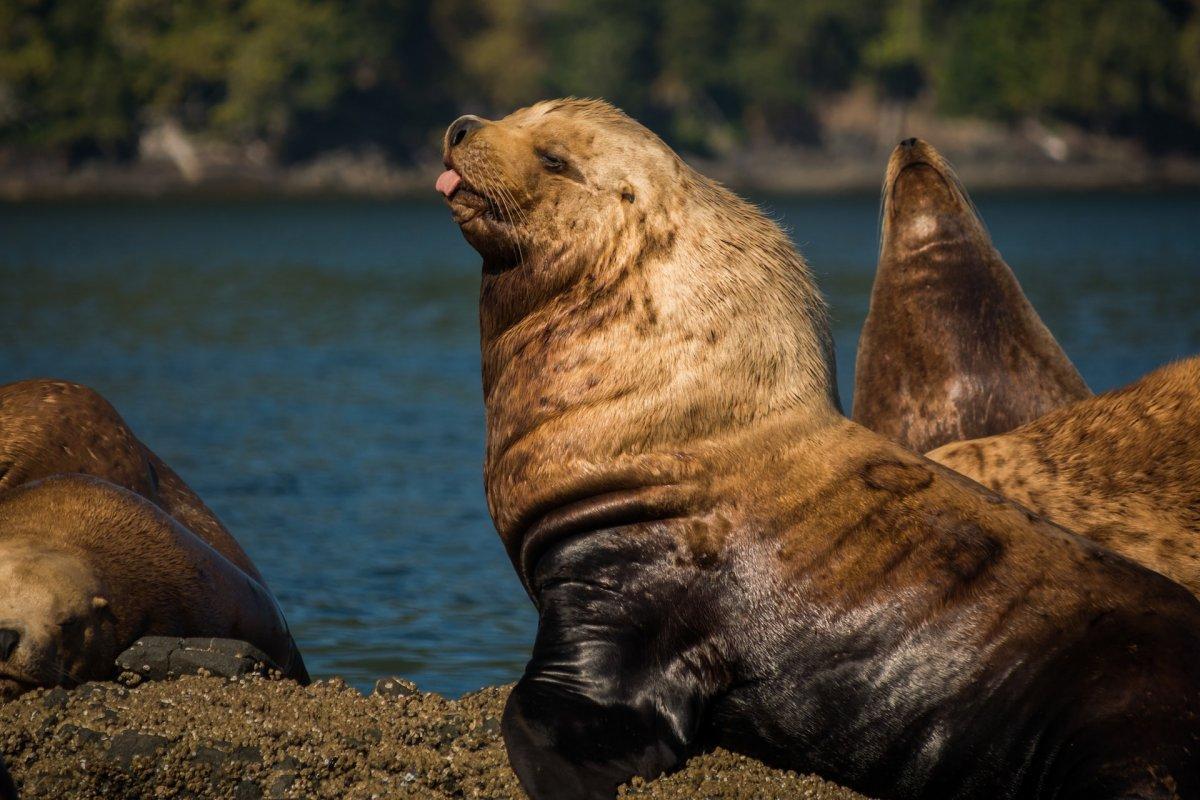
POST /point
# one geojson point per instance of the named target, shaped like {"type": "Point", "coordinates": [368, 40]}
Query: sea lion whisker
{"type": "Point", "coordinates": [512, 208]}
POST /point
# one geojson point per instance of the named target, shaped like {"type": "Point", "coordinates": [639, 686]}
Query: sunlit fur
{"type": "Point", "coordinates": [87, 567]}
{"type": "Point", "coordinates": [51, 427]}
{"type": "Point", "coordinates": [719, 557]}
{"type": "Point", "coordinates": [58, 604]}
{"type": "Point", "coordinates": [951, 348]}
{"type": "Point", "coordinates": [1122, 468]}
{"type": "Point", "coordinates": [647, 306]}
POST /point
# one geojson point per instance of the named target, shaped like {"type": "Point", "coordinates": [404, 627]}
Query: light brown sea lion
{"type": "Point", "coordinates": [719, 557]}
{"type": "Point", "coordinates": [1122, 469]}
{"type": "Point", "coordinates": [87, 567]}
{"type": "Point", "coordinates": [48, 427]}
{"type": "Point", "coordinates": [951, 348]}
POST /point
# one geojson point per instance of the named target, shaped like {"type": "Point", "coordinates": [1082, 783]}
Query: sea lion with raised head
{"type": "Point", "coordinates": [1122, 469]}
{"type": "Point", "coordinates": [719, 557]}
{"type": "Point", "coordinates": [87, 568]}
{"type": "Point", "coordinates": [951, 348]}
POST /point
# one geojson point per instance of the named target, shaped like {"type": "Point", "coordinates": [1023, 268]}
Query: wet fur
{"type": "Point", "coordinates": [718, 556]}
{"type": "Point", "coordinates": [951, 349]}
{"type": "Point", "coordinates": [1122, 469]}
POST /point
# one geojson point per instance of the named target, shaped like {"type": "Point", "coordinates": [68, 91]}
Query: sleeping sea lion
{"type": "Point", "coordinates": [719, 557]}
{"type": "Point", "coordinates": [87, 568]}
{"type": "Point", "coordinates": [1122, 469]}
{"type": "Point", "coordinates": [951, 348]}
{"type": "Point", "coordinates": [49, 427]}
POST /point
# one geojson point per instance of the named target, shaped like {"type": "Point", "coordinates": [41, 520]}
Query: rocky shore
{"type": "Point", "coordinates": [250, 737]}
{"type": "Point", "coordinates": [859, 133]}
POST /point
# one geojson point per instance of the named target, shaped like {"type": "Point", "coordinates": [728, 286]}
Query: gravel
{"type": "Point", "coordinates": [250, 738]}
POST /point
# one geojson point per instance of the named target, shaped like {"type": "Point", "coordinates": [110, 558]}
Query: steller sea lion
{"type": "Point", "coordinates": [951, 348]}
{"type": "Point", "coordinates": [48, 427]}
{"type": "Point", "coordinates": [1122, 469]}
{"type": "Point", "coordinates": [719, 557]}
{"type": "Point", "coordinates": [87, 568]}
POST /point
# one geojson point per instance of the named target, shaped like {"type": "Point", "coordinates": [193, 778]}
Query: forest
{"type": "Point", "coordinates": [84, 78]}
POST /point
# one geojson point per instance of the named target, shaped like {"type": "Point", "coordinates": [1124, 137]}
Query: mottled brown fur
{"type": "Point", "coordinates": [680, 314]}
{"type": "Point", "coordinates": [84, 503]}
{"type": "Point", "coordinates": [1122, 469]}
{"type": "Point", "coordinates": [89, 567]}
{"type": "Point", "coordinates": [50, 427]}
{"type": "Point", "coordinates": [932, 620]}
{"type": "Point", "coordinates": [951, 348]}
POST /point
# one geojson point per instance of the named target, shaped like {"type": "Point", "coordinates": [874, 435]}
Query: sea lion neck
{"type": "Point", "coordinates": [690, 327]}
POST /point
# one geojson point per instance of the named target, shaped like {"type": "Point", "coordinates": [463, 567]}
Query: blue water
{"type": "Point", "coordinates": [311, 369]}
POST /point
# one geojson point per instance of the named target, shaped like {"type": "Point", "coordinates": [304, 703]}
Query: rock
{"type": "Point", "coordinates": [56, 697]}
{"type": "Point", "coordinates": [83, 736]}
{"type": "Point", "coordinates": [395, 687]}
{"type": "Point", "coordinates": [247, 790]}
{"type": "Point", "coordinates": [129, 745]}
{"type": "Point", "coordinates": [280, 785]}
{"type": "Point", "coordinates": [163, 657]}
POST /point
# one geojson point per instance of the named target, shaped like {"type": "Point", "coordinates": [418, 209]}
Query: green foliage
{"type": "Point", "coordinates": [61, 78]}
{"type": "Point", "coordinates": [85, 77]}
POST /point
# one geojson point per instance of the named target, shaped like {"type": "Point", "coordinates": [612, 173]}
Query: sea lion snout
{"type": "Point", "coordinates": [921, 188]}
{"type": "Point", "coordinates": [461, 129]}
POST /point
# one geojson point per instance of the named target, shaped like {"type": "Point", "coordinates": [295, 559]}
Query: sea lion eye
{"type": "Point", "coordinates": [552, 162]}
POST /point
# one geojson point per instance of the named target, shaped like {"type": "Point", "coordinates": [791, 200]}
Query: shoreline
{"type": "Point", "coordinates": [791, 173]}
{"type": "Point", "coordinates": [251, 738]}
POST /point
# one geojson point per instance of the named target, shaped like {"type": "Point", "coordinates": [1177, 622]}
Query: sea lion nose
{"type": "Point", "coordinates": [461, 129]}
{"type": "Point", "coordinates": [909, 143]}
{"type": "Point", "coordinates": [8, 642]}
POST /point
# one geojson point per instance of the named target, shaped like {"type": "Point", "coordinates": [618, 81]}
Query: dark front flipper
{"type": "Point", "coordinates": [625, 662]}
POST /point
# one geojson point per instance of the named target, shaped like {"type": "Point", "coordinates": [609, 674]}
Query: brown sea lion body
{"type": "Point", "coordinates": [1122, 469]}
{"type": "Point", "coordinates": [718, 556]}
{"type": "Point", "coordinates": [87, 568]}
{"type": "Point", "coordinates": [951, 349]}
{"type": "Point", "coordinates": [49, 427]}
{"type": "Point", "coordinates": [58, 429]}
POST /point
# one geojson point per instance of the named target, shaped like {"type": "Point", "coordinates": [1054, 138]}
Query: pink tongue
{"type": "Point", "coordinates": [448, 182]}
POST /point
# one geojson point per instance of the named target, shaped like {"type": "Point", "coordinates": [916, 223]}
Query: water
{"type": "Point", "coordinates": [311, 369]}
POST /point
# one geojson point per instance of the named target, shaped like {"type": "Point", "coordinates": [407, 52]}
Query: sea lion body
{"type": "Point", "coordinates": [1122, 469]}
{"type": "Point", "coordinates": [718, 556]}
{"type": "Point", "coordinates": [951, 348]}
{"type": "Point", "coordinates": [52, 435]}
{"type": "Point", "coordinates": [50, 427]}
{"type": "Point", "coordinates": [87, 568]}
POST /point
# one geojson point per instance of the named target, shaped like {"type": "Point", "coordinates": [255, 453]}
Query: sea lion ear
{"type": "Point", "coordinates": [99, 602]}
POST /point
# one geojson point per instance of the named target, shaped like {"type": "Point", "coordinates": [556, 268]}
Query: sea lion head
{"type": "Point", "coordinates": [559, 188]}
{"type": "Point", "coordinates": [924, 204]}
{"type": "Point", "coordinates": [56, 626]}
{"type": "Point", "coordinates": [951, 348]}
{"type": "Point", "coordinates": [631, 308]}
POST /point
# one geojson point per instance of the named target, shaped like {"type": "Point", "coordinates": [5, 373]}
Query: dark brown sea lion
{"type": "Point", "coordinates": [1122, 469]}
{"type": "Point", "coordinates": [951, 348]}
{"type": "Point", "coordinates": [719, 557]}
{"type": "Point", "coordinates": [87, 568]}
